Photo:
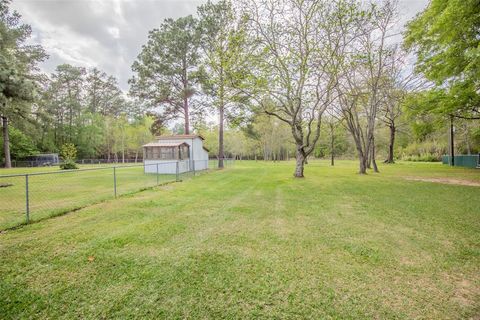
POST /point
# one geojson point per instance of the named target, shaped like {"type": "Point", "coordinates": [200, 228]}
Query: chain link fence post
{"type": "Point", "coordinates": [193, 162]}
{"type": "Point", "coordinates": [115, 182]}
{"type": "Point", "coordinates": [27, 200]}
{"type": "Point", "coordinates": [157, 174]}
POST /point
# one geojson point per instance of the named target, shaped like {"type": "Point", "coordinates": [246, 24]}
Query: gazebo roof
{"type": "Point", "coordinates": [165, 144]}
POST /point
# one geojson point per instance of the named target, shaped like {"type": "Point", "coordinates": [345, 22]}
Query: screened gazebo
{"type": "Point", "coordinates": [166, 151]}
{"type": "Point", "coordinates": [166, 157]}
{"type": "Point", "coordinates": [170, 154]}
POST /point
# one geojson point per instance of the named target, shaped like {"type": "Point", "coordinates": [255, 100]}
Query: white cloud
{"type": "Point", "coordinates": [114, 31]}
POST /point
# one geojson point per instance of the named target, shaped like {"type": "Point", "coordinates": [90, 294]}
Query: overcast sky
{"type": "Point", "coordinates": [108, 34]}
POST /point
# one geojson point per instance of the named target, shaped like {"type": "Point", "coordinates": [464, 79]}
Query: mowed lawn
{"type": "Point", "coordinates": [62, 191]}
{"type": "Point", "coordinates": [252, 242]}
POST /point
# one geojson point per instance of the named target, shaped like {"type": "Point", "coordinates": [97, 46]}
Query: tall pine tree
{"type": "Point", "coordinates": [17, 66]}
{"type": "Point", "coordinates": [167, 70]}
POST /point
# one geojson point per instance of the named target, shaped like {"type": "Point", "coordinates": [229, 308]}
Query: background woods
{"type": "Point", "coordinates": [269, 80]}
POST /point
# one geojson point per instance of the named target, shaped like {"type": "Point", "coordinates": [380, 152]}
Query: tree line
{"type": "Point", "coordinates": [286, 79]}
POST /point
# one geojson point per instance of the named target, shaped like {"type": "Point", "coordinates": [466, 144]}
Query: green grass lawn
{"type": "Point", "coordinates": [60, 191]}
{"type": "Point", "coordinates": [253, 242]}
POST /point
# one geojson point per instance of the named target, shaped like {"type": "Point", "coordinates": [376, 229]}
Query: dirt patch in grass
{"type": "Point", "coordinates": [465, 293]}
{"type": "Point", "coordinates": [446, 181]}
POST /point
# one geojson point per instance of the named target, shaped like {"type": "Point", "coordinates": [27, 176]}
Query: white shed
{"type": "Point", "coordinates": [187, 150]}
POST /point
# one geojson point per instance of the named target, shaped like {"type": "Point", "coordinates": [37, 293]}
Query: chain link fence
{"type": "Point", "coordinates": [38, 195]}
{"type": "Point", "coordinates": [40, 163]}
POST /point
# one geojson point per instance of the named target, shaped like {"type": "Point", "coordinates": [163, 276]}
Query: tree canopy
{"type": "Point", "coordinates": [445, 39]}
{"type": "Point", "coordinates": [18, 61]}
{"type": "Point", "coordinates": [167, 72]}
{"type": "Point", "coordinates": [285, 79]}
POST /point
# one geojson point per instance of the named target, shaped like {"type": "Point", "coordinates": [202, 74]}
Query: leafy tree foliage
{"type": "Point", "coordinates": [21, 145]}
{"type": "Point", "coordinates": [102, 94]}
{"type": "Point", "coordinates": [445, 39]}
{"type": "Point", "coordinates": [167, 73]}
{"type": "Point", "coordinates": [223, 43]}
{"type": "Point", "coordinates": [69, 153]}
{"type": "Point", "coordinates": [17, 63]}
{"type": "Point", "coordinates": [290, 78]}
{"type": "Point", "coordinates": [294, 65]}
{"type": "Point", "coordinates": [87, 108]}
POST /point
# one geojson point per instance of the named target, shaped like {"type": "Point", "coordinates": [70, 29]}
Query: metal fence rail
{"type": "Point", "coordinates": [38, 195]}
{"type": "Point", "coordinates": [38, 163]}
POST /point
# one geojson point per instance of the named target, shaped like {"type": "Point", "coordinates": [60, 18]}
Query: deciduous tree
{"type": "Point", "coordinates": [363, 67]}
{"type": "Point", "coordinates": [298, 48]}
{"type": "Point", "coordinates": [445, 39]}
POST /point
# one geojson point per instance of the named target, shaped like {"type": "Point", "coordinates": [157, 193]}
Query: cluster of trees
{"type": "Point", "coordinates": [87, 108]}
{"type": "Point", "coordinates": [308, 63]}
{"type": "Point", "coordinates": [445, 39]}
{"type": "Point", "coordinates": [43, 112]}
{"type": "Point", "coordinates": [82, 107]}
{"type": "Point", "coordinates": [17, 66]}
{"type": "Point", "coordinates": [286, 78]}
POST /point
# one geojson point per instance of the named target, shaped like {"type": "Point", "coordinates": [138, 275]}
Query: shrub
{"type": "Point", "coordinates": [69, 154]}
{"type": "Point", "coordinates": [68, 151]}
{"type": "Point", "coordinates": [426, 157]}
{"type": "Point", "coordinates": [68, 165]}
{"type": "Point", "coordinates": [428, 151]}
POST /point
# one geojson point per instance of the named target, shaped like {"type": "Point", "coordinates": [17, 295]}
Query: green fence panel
{"type": "Point", "coordinates": [469, 161]}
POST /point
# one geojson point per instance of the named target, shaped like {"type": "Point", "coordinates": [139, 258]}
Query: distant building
{"type": "Point", "coordinates": [40, 160]}
{"type": "Point", "coordinates": [187, 150]}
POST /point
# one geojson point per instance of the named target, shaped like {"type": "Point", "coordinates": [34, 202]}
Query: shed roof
{"type": "Point", "coordinates": [165, 144]}
{"type": "Point", "coordinates": [180, 136]}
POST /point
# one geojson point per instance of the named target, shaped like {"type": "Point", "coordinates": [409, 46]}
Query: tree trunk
{"type": "Point", "coordinates": [332, 146]}
{"type": "Point", "coordinates": [369, 159]}
{"type": "Point", "coordinates": [374, 162]}
{"type": "Point", "coordinates": [220, 138]}
{"type": "Point", "coordinates": [391, 144]}
{"type": "Point", "coordinates": [6, 143]}
{"type": "Point", "coordinates": [362, 159]}
{"type": "Point", "coordinates": [299, 167]}
{"type": "Point", "coordinates": [187, 115]}
{"type": "Point", "coordinates": [123, 152]}
{"type": "Point", "coordinates": [185, 98]}
{"type": "Point", "coordinates": [221, 111]}
{"type": "Point", "coordinates": [363, 164]}
{"type": "Point", "coordinates": [70, 111]}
